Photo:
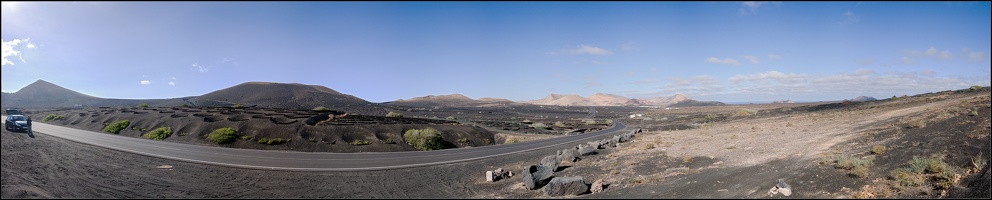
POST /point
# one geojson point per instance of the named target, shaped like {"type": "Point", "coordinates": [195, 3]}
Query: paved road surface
{"type": "Point", "coordinates": [301, 161]}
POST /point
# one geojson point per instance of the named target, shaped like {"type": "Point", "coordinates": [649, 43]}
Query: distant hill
{"type": "Point", "coordinates": [862, 98]}
{"type": "Point", "coordinates": [43, 94]}
{"type": "Point", "coordinates": [440, 100]}
{"type": "Point", "coordinates": [562, 100]}
{"type": "Point", "coordinates": [783, 101]}
{"type": "Point", "coordinates": [286, 95]}
{"type": "Point", "coordinates": [601, 99]}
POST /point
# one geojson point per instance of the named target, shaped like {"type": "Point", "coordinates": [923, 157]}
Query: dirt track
{"type": "Point", "coordinates": [723, 160]}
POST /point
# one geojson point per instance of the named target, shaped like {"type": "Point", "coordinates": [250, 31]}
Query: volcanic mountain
{"type": "Point", "coordinates": [43, 94]}
{"type": "Point", "coordinates": [286, 95]}
{"type": "Point", "coordinates": [563, 100]}
{"type": "Point", "coordinates": [437, 100]}
{"type": "Point", "coordinates": [608, 99]}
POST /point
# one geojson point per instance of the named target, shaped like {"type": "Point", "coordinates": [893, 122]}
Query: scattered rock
{"type": "Point", "coordinates": [781, 187]}
{"type": "Point", "coordinates": [569, 155]}
{"type": "Point", "coordinates": [165, 167]}
{"type": "Point", "coordinates": [490, 176]}
{"type": "Point", "coordinates": [551, 161]}
{"type": "Point", "coordinates": [536, 176]}
{"type": "Point", "coordinates": [596, 144]}
{"type": "Point", "coordinates": [586, 150]}
{"type": "Point", "coordinates": [597, 186]}
{"type": "Point", "coordinates": [561, 186]}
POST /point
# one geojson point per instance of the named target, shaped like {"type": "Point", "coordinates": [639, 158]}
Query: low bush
{"type": "Point", "coordinates": [360, 142]}
{"type": "Point", "coordinates": [424, 139]}
{"type": "Point", "coordinates": [159, 133]}
{"type": "Point", "coordinates": [321, 109]}
{"type": "Point", "coordinates": [394, 114]}
{"type": "Point", "coordinates": [463, 140]}
{"type": "Point", "coordinates": [237, 105]}
{"type": "Point", "coordinates": [142, 105]}
{"type": "Point", "coordinates": [451, 118]}
{"type": "Point", "coordinates": [53, 117]}
{"type": "Point", "coordinates": [245, 137]}
{"type": "Point", "coordinates": [916, 124]}
{"type": "Point", "coordinates": [116, 127]}
{"type": "Point", "coordinates": [539, 125]}
{"type": "Point", "coordinates": [272, 141]}
{"type": "Point", "coordinates": [222, 135]}
{"type": "Point", "coordinates": [389, 141]}
{"type": "Point", "coordinates": [877, 149]}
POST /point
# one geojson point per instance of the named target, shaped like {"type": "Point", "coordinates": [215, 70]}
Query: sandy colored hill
{"type": "Point", "coordinates": [563, 100]}
{"type": "Point", "coordinates": [602, 99]}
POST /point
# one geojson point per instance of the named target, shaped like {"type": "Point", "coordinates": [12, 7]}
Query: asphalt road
{"type": "Point", "coordinates": [302, 161]}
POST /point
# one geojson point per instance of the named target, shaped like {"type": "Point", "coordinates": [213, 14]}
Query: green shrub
{"type": "Point", "coordinates": [539, 125]}
{"type": "Point", "coordinates": [905, 177]}
{"type": "Point", "coordinates": [360, 142]}
{"type": "Point", "coordinates": [511, 141]}
{"type": "Point", "coordinates": [184, 105]}
{"type": "Point", "coordinates": [463, 140]}
{"type": "Point", "coordinates": [116, 127]}
{"type": "Point", "coordinates": [245, 137]}
{"type": "Point", "coordinates": [486, 141]}
{"type": "Point", "coordinates": [272, 141]}
{"type": "Point", "coordinates": [975, 87]}
{"type": "Point", "coordinates": [142, 129]}
{"type": "Point", "coordinates": [222, 135]}
{"type": "Point", "coordinates": [142, 105]}
{"type": "Point", "coordinates": [589, 121]}
{"type": "Point", "coordinates": [183, 134]}
{"type": "Point", "coordinates": [560, 124]}
{"type": "Point", "coordinates": [424, 139]}
{"type": "Point", "coordinates": [394, 114]}
{"type": "Point", "coordinates": [159, 133]}
{"type": "Point", "coordinates": [321, 109]}
{"type": "Point", "coordinates": [928, 165]}
{"type": "Point", "coordinates": [877, 149]}
{"type": "Point", "coordinates": [609, 122]}
{"type": "Point", "coordinates": [53, 117]}
{"type": "Point", "coordinates": [451, 118]}
{"type": "Point", "coordinates": [389, 141]}
{"type": "Point", "coordinates": [237, 105]}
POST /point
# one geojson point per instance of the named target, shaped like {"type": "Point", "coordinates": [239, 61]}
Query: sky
{"type": "Point", "coordinates": [384, 51]}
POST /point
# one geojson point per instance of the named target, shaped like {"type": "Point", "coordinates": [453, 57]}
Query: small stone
{"type": "Point", "coordinates": [597, 186]}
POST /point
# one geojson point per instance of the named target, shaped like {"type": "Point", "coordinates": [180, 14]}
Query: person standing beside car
{"type": "Point", "coordinates": [29, 124]}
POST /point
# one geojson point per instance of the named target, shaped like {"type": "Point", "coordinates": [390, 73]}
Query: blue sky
{"type": "Point", "coordinates": [383, 51]}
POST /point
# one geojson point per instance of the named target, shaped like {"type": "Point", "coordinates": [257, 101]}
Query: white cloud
{"type": "Point", "coordinates": [774, 57]}
{"type": "Point", "coordinates": [172, 83]}
{"type": "Point", "coordinates": [10, 49]}
{"type": "Point", "coordinates": [702, 85]}
{"type": "Point", "coordinates": [583, 49]}
{"type": "Point", "coordinates": [751, 59]}
{"type": "Point", "coordinates": [229, 61]}
{"type": "Point", "coordinates": [770, 75]}
{"type": "Point", "coordinates": [932, 52]}
{"type": "Point", "coordinates": [860, 82]}
{"type": "Point", "coordinates": [201, 68]}
{"type": "Point", "coordinates": [849, 18]}
{"type": "Point", "coordinates": [976, 56]}
{"type": "Point", "coordinates": [727, 61]}
{"type": "Point", "coordinates": [907, 61]}
{"type": "Point", "coordinates": [944, 55]}
{"type": "Point", "coordinates": [629, 46]}
{"type": "Point", "coordinates": [146, 82]}
{"type": "Point", "coordinates": [750, 7]}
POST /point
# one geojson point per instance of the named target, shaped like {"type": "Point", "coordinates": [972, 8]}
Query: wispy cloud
{"type": "Point", "coordinates": [12, 48]}
{"type": "Point", "coordinates": [856, 83]}
{"type": "Point", "coordinates": [629, 46]}
{"type": "Point", "coordinates": [774, 57]}
{"type": "Point", "coordinates": [907, 61]}
{"type": "Point", "coordinates": [582, 49]}
{"type": "Point", "coordinates": [643, 82]}
{"type": "Point", "coordinates": [702, 85]}
{"type": "Point", "coordinates": [849, 18]}
{"type": "Point", "coordinates": [229, 61]}
{"type": "Point", "coordinates": [199, 67]}
{"type": "Point", "coordinates": [726, 61]}
{"type": "Point", "coordinates": [751, 59]}
{"type": "Point", "coordinates": [751, 7]}
{"type": "Point", "coordinates": [974, 56]}
{"type": "Point", "coordinates": [146, 82]}
{"type": "Point", "coordinates": [172, 81]}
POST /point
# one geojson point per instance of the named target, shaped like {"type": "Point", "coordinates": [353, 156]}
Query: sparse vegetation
{"type": "Point", "coordinates": [486, 141]}
{"type": "Point", "coordinates": [649, 146]}
{"type": "Point", "coordinates": [237, 105]}
{"type": "Point", "coordinates": [389, 141]}
{"type": "Point", "coordinates": [360, 142]}
{"type": "Point", "coordinates": [744, 113]}
{"type": "Point", "coordinates": [916, 124]}
{"type": "Point", "coordinates": [142, 105]}
{"type": "Point", "coordinates": [271, 141]}
{"type": "Point", "coordinates": [975, 87]}
{"type": "Point", "coordinates": [222, 135]}
{"type": "Point", "coordinates": [394, 114]}
{"type": "Point", "coordinates": [917, 170]}
{"type": "Point", "coordinates": [857, 167]}
{"type": "Point", "coordinates": [184, 105]}
{"type": "Point", "coordinates": [463, 140]}
{"type": "Point", "coordinates": [560, 124]}
{"type": "Point", "coordinates": [53, 117]}
{"type": "Point", "coordinates": [877, 149]}
{"type": "Point", "coordinates": [321, 109]}
{"type": "Point", "coordinates": [511, 141]}
{"type": "Point", "coordinates": [450, 118]}
{"type": "Point", "coordinates": [159, 133]}
{"type": "Point", "coordinates": [539, 125]}
{"type": "Point", "coordinates": [424, 139]}
{"type": "Point", "coordinates": [183, 134]}
{"type": "Point", "coordinates": [245, 137]}
{"type": "Point", "coordinates": [116, 127]}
